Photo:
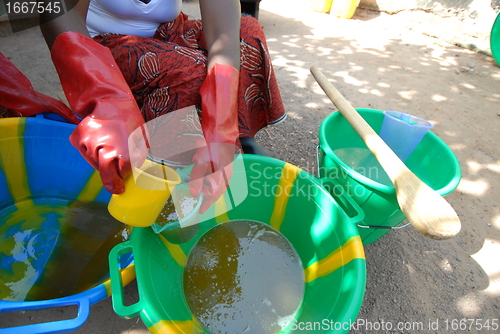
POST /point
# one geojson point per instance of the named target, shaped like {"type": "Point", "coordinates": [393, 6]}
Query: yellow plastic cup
{"type": "Point", "coordinates": [147, 190]}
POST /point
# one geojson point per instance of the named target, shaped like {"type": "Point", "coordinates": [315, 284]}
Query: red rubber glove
{"type": "Point", "coordinates": [219, 121]}
{"type": "Point", "coordinates": [98, 93]}
{"type": "Point", "coordinates": [19, 98]}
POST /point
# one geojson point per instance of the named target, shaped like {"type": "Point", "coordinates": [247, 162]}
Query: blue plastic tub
{"type": "Point", "coordinates": [41, 174]}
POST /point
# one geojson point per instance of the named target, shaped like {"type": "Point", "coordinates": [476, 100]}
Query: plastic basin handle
{"type": "Point", "coordinates": [351, 210]}
{"type": "Point", "coordinates": [60, 326]}
{"type": "Point", "coordinates": [117, 295]}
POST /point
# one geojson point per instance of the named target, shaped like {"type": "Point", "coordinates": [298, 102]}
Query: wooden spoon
{"type": "Point", "coordinates": [424, 208]}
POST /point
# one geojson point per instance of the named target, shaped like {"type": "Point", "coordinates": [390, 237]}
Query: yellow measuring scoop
{"type": "Point", "coordinates": [147, 190]}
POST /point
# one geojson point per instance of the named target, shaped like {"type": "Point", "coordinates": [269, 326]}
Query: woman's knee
{"type": "Point", "coordinates": [251, 28]}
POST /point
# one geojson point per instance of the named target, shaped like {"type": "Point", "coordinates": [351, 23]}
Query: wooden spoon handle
{"type": "Point", "coordinates": [426, 210]}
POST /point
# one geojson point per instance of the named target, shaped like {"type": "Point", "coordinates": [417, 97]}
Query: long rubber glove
{"type": "Point", "coordinates": [98, 93]}
{"type": "Point", "coordinates": [219, 120]}
{"type": "Point", "coordinates": [19, 98]}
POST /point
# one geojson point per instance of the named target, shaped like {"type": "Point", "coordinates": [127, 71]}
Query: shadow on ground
{"type": "Point", "coordinates": [411, 280]}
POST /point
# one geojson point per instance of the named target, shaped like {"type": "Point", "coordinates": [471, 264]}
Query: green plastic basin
{"type": "Point", "coordinates": [344, 158]}
{"type": "Point", "coordinates": [290, 200]}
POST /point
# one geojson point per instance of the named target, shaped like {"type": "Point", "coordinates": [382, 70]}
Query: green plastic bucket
{"type": "Point", "coordinates": [290, 200]}
{"type": "Point", "coordinates": [344, 158]}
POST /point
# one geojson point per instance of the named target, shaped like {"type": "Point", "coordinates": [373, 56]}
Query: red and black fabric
{"type": "Point", "coordinates": [165, 74]}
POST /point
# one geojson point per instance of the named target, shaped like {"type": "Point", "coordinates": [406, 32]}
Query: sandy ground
{"type": "Point", "coordinates": [382, 62]}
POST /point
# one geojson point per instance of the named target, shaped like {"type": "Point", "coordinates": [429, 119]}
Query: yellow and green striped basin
{"type": "Point", "coordinates": [290, 200]}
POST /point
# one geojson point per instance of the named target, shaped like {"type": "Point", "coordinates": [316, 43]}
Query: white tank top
{"type": "Point", "coordinates": [130, 17]}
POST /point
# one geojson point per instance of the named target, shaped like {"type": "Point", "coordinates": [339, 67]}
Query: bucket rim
{"type": "Point", "coordinates": [83, 300]}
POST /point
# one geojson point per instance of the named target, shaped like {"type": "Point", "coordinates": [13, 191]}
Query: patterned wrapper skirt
{"type": "Point", "coordinates": [165, 73]}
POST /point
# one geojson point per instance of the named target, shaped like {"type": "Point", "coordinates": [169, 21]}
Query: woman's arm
{"type": "Point", "coordinates": [221, 26]}
{"type": "Point", "coordinates": [98, 93]}
{"type": "Point", "coordinates": [74, 20]}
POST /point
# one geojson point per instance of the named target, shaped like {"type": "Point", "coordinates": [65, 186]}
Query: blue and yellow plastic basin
{"type": "Point", "coordinates": [41, 176]}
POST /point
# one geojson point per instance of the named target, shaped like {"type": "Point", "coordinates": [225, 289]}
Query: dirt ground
{"type": "Point", "coordinates": [384, 62]}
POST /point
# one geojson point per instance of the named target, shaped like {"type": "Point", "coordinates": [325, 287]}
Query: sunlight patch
{"type": "Point", "coordinates": [407, 95]}
{"type": "Point", "coordinates": [490, 264]}
{"type": "Point", "coordinates": [469, 306]}
{"type": "Point", "coordinates": [439, 98]}
{"type": "Point", "coordinates": [478, 187]}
